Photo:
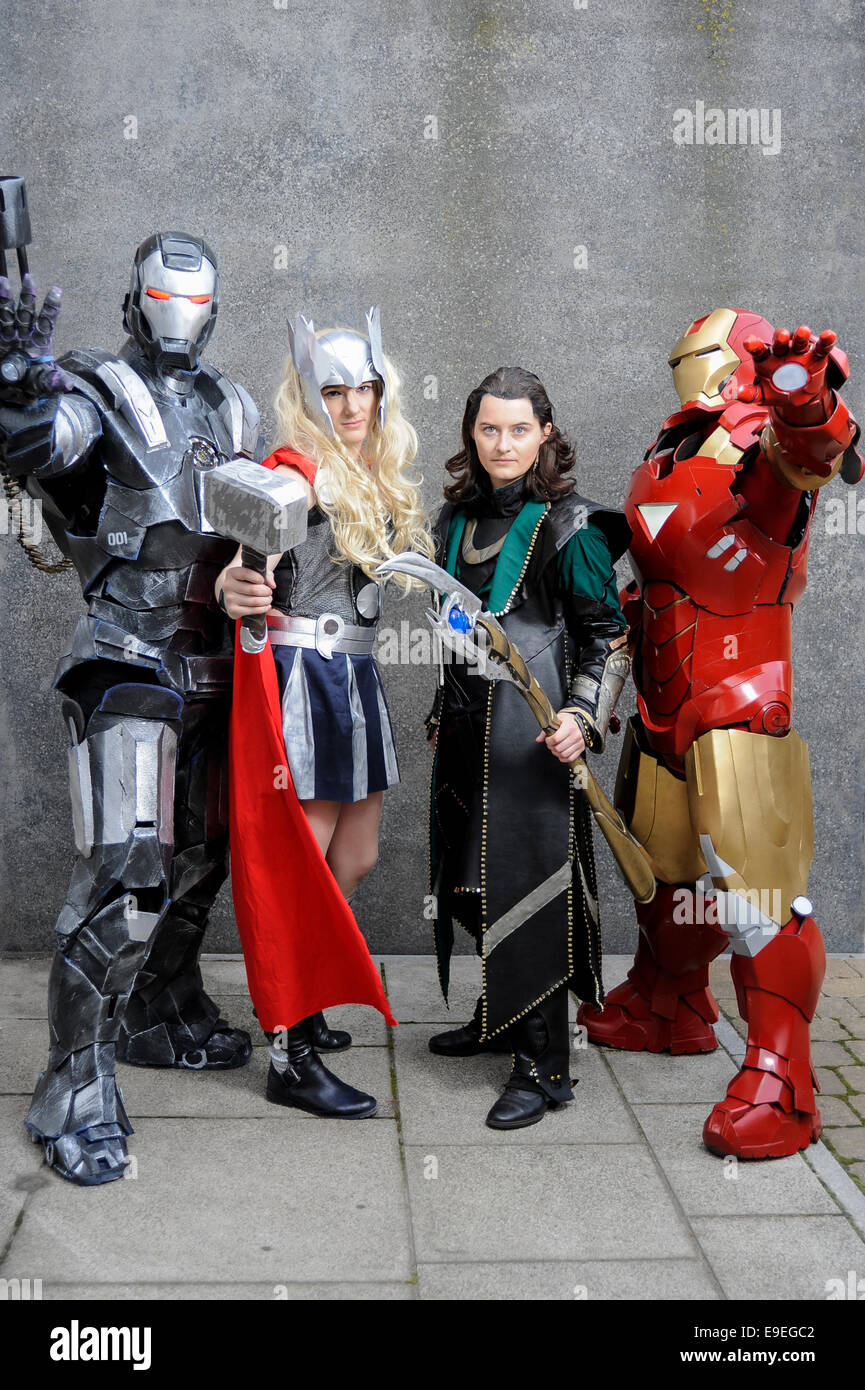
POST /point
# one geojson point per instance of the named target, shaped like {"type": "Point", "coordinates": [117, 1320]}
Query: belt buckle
{"type": "Point", "coordinates": [328, 631]}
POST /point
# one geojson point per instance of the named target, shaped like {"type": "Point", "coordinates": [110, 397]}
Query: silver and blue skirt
{"type": "Point", "coordinates": [338, 735]}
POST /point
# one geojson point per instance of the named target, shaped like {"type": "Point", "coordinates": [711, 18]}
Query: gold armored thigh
{"type": "Point", "coordinates": [750, 804]}
{"type": "Point", "coordinates": [654, 805]}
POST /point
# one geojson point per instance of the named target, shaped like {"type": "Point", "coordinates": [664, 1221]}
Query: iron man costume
{"type": "Point", "coordinates": [714, 782]}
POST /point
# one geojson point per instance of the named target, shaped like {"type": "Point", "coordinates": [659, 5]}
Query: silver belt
{"type": "Point", "coordinates": [327, 634]}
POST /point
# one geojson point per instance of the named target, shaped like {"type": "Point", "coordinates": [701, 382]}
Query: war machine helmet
{"type": "Point", "coordinates": [170, 310]}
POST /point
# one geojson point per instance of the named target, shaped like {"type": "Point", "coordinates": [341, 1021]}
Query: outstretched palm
{"type": "Point", "coordinates": [28, 371]}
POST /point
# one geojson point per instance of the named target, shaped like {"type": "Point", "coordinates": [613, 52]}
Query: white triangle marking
{"type": "Point", "coordinates": [655, 514]}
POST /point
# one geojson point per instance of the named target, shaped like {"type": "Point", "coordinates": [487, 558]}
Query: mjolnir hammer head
{"type": "Point", "coordinates": [264, 512]}
{"type": "Point", "coordinates": [257, 508]}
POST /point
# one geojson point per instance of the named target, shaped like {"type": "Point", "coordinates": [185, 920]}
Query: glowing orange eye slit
{"type": "Point", "coordinates": [157, 294]}
{"type": "Point", "coordinates": [199, 298]}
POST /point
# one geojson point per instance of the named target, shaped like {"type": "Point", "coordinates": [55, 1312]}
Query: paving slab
{"type": "Point", "coordinates": [615, 968]}
{"type": "Point", "coordinates": [224, 976]}
{"type": "Point", "coordinates": [154, 1091]}
{"type": "Point", "coordinates": [21, 1169]}
{"type": "Point", "coordinates": [542, 1202]}
{"type": "Point", "coordinates": [415, 994]}
{"type": "Point", "coordinates": [851, 986]}
{"type": "Point", "coordinates": [24, 988]}
{"type": "Point", "coordinates": [564, 1280]}
{"type": "Point", "coordinates": [857, 1047]}
{"type": "Point", "coordinates": [277, 1201]}
{"type": "Point", "coordinates": [830, 1081]}
{"type": "Point", "coordinates": [446, 1099]}
{"type": "Point", "coordinates": [659, 1078]}
{"type": "Point", "coordinates": [789, 1257]}
{"type": "Point", "coordinates": [840, 968]}
{"type": "Point", "coordinates": [846, 1011]}
{"type": "Point", "coordinates": [854, 1076]}
{"type": "Point", "coordinates": [829, 1054]}
{"type": "Point", "coordinates": [848, 1143]}
{"type": "Point", "coordinates": [710, 1186]}
{"type": "Point", "coordinates": [243, 1293]}
{"type": "Point", "coordinates": [836, 1111]}
{"type": "Point", "coordinates": [824, 1029]}
{"type": "Point", "coordinates": [24, 1052]}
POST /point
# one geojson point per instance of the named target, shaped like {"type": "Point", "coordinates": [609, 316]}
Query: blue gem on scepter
{"type": "Point", "coordinates": [459, 620]}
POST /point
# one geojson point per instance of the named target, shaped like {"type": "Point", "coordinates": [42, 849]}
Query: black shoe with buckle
{"type": "Point", "coordinates": [306, 1084]}
{"type": "Point", "coordinates": [539, 1079]}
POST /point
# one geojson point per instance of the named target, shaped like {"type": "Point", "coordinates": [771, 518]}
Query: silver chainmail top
{"type": "Point", "coordinates": [309, 583]}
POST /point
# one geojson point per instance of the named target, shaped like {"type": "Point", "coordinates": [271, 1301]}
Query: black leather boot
{"type": "Point", "coordinates": [465, 1041]}
{"type": "Point", "coordinates": [326, 1039]}
{"type": "Point", "coordinates": [306, 1083]}
{"type": "Point", "coordinates": [539, 1078]}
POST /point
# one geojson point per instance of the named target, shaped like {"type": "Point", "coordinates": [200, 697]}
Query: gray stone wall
{"type": "Point", "coordinates": [504, 180]}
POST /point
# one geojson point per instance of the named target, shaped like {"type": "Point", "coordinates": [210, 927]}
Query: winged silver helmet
{"type": "Point", "coordinates": [339, 357]}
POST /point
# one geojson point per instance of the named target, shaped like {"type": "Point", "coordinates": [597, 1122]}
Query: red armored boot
{"type": "Point", "coordinates": [770, 1109]}
{"type": "Point", "coordinates": [665, 1005]}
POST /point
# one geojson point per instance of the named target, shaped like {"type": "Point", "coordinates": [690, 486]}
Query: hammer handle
{"type": "Point", "coordinates": [253, 630]}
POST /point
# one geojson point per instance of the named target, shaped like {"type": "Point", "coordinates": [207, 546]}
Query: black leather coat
{"type": "Point", "coordinates": [511, 846]}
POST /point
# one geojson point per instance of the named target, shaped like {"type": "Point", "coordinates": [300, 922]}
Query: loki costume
{"type": "Point", "coordinates": [511, 847]}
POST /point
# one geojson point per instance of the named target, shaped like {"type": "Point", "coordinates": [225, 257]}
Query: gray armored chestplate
{"type": "Point", "coordinates": [131, 521]}
{"type": "Point", "coordinates": [315, 579]}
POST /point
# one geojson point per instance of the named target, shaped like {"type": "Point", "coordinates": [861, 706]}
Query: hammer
{"type": "Point", "coordinates": [264, 512]}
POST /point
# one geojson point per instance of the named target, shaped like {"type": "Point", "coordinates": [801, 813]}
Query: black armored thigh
{"type": "Point", "coordinates": [168, 1015]}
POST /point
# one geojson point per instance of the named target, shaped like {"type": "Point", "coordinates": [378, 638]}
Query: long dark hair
{"type": "Point", "coordinates": [556, 459]}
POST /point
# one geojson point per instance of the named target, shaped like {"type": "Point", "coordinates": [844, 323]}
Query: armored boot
{"type": "Point", "coordinates": [77, 1110]}
{"type": "Point", "coordinates": [770, 1109]}
{"type": "Point", "coordinates": [466, 1041]}
{"type": "Point", "coordinates": [298, 1077]}
{"type": "Point", "coordinates": [170, 1021]}
{"type": "Point", "coordinates": [539, 1079]}
{"type": "Point", "coordinates": [665, 1005]}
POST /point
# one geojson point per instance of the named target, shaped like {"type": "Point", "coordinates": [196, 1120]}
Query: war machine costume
{"type": "Point", "coordinates": [114, 447]}
{"type": "Point", "coordinates": [714, 781]}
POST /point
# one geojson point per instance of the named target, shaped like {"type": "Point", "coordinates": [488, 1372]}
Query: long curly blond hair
{"type": "Point", "coordinates": [374, 510]}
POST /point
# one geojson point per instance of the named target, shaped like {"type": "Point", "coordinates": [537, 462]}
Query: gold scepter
{"type": "Point", "coordinates": [459, 622]}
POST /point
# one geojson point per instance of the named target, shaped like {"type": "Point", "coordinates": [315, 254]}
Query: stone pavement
{"type": "Point", "coordinates": [612, 1198]}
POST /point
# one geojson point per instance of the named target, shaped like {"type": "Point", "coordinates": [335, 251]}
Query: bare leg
{"type": "Point", "coordinates": [353, 849]}
{"type": "Point", "coordinates": [322, 817]}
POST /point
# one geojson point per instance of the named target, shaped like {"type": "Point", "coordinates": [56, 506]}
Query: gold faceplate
{"type": "Point", "coordinates": [703, 359]}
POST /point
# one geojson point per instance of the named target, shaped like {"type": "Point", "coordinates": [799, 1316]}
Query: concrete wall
{"type": "Point", "coordinates": [446, 160]}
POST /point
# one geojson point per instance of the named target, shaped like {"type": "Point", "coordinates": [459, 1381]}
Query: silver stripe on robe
{"type": "Point", "coordinates": [360, 762]}
{"type": "Point", "coordinates": [527, 907]}
{"type": "Point", "coordinates": [390, 764]}
{"type": "Point", "coordinates": [297, 731]}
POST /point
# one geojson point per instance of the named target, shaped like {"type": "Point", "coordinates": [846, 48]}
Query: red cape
{"type": "Point", "coordinates": [302, 947]}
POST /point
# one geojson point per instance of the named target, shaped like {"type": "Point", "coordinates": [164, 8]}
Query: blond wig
{"type": "Point", "coordinates": [373, 506]}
